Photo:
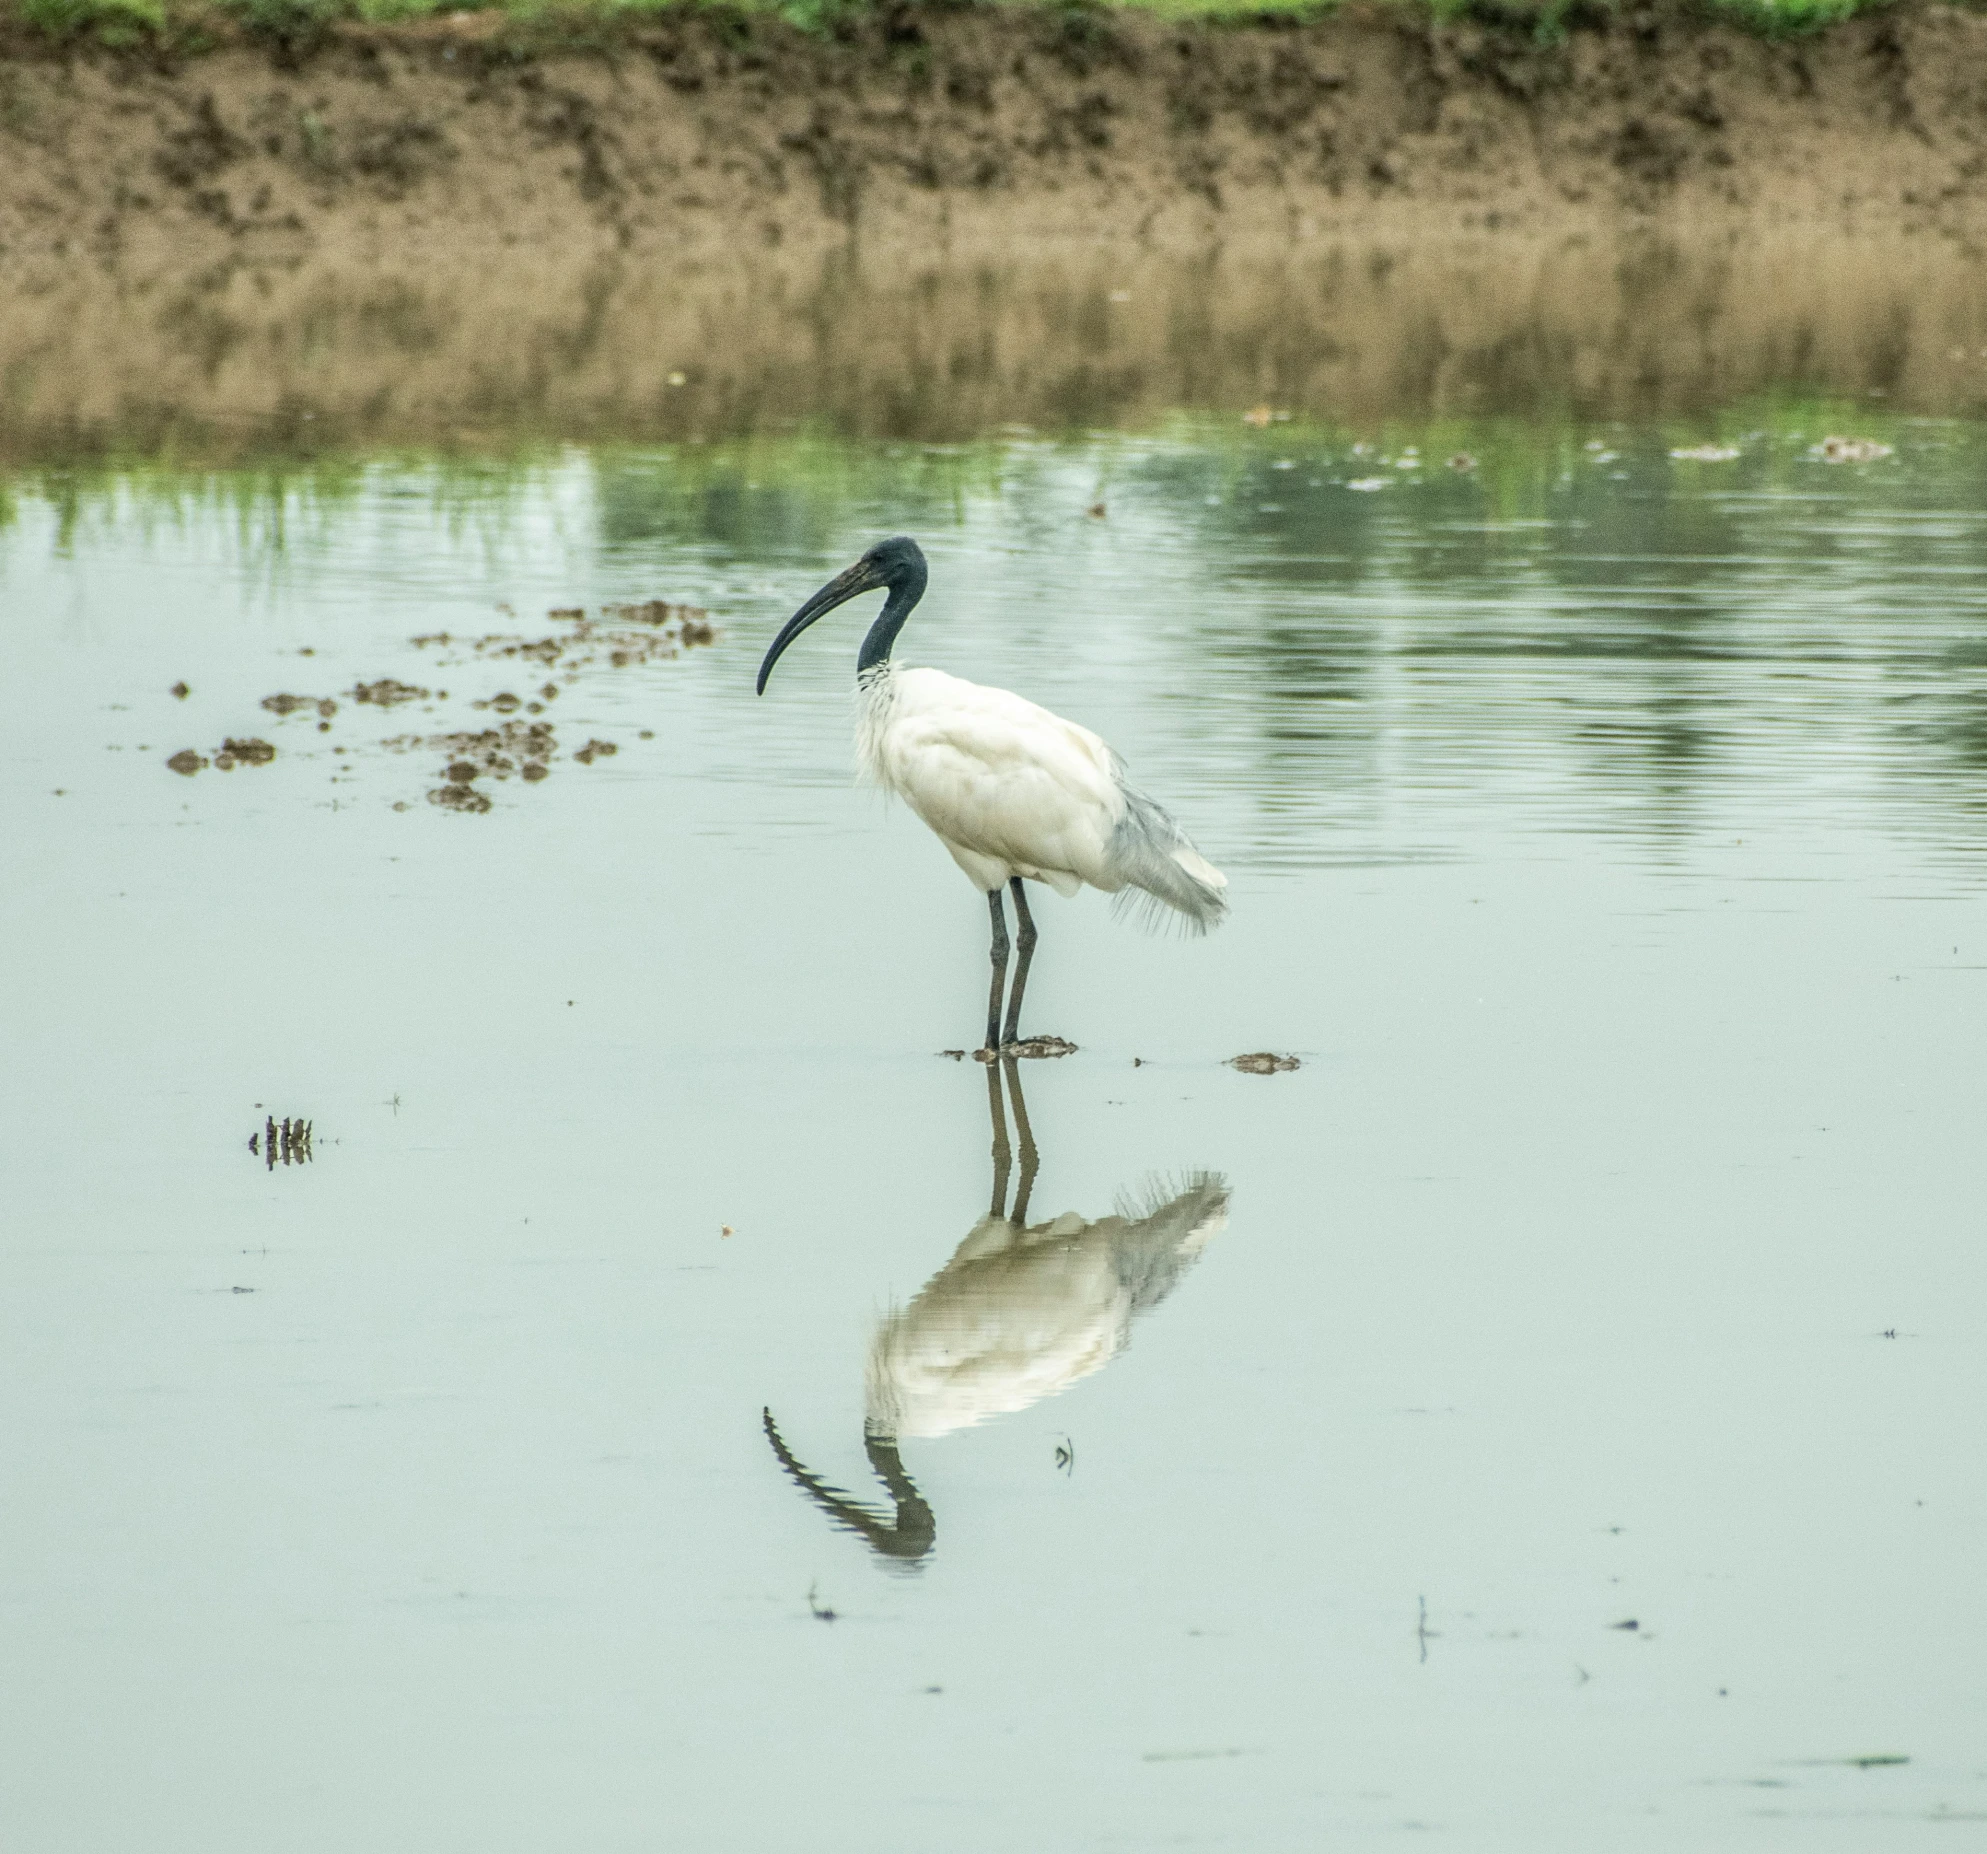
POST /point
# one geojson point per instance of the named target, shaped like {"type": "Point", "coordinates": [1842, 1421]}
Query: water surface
{"type": "Point", "coordinates": [1605, 832]}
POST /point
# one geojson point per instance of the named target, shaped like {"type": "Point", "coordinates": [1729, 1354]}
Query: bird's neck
{"type": "Point", "coordinates": [905, 591]}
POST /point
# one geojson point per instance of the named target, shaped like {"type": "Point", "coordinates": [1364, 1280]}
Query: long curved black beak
{"type": "Point", "coordinates": [862, 577]}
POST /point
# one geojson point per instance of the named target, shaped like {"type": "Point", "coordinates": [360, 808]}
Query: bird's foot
{"type": "Point", "coordinates": [1036, 1047]}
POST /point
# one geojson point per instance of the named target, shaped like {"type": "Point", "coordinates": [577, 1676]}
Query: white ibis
{"type": "Point", "coordinates": [1021, 1312]}
{"type": "Point", "coordinates": [1014, 792]}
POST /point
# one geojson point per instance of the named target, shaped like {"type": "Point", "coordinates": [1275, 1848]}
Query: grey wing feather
{"type": "Point", "coordinates": [1160, 868]}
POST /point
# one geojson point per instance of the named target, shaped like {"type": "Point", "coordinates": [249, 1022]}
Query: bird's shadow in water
{"type": "Point", "coordinates": [1020, 1312]}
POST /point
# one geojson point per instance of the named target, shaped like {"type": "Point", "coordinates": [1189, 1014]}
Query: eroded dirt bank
{"type": "Point", "coordinates": [950, 217]}
{"type": "Point", "coordinates": [704, 131]}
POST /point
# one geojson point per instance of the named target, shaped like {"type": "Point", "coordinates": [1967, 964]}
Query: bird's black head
{"type": "Point", "coordinates": [897, 563]}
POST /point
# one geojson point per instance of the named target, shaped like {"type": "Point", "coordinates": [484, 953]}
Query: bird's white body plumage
{"type": "Point", "coordinates": [1013, 790]}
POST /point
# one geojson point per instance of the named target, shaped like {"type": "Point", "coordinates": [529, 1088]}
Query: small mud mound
{"type": "Point", "coordinates": [282, 1142]}
{"type": "Point", "coordinates": [520, 748]}
{"type": "Point", "coordinates": [519, 744]}
{"type": "Point", "coordinates": [1263, 1062]}
{"type": "Point", "coordinates": [386, 693]}
{"type": "Point", "coordinates": [622, 636]}
{"type": "Point", "coordinates": [227, 757]}
{"type": "Point", "coordinates": [1029, 1049]}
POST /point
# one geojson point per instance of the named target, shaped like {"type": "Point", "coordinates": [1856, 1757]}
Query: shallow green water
{"type": "Point", "coordinates": [1605, 834]}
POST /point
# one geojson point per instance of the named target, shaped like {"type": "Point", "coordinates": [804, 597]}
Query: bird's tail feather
{"type": "Point", "coordinates": [1161, 871]}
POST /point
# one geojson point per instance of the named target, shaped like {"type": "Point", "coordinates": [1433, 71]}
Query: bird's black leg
{"type": "Point", "coordinates": [1025, 939]}
{"type": "Point", "coordinates": [999, 955]}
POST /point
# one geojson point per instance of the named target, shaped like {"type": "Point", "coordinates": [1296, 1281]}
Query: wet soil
{"type": "Point", "coordinates": [940, 217]}
{"type": "Point", "coordinates": [519, 744]}
{"type": "Point", "coordinates": [1263, 1062]}
{"type": "Point", "coordinates": [231, 753]}
{"type": "Point", "coordinates": [705, 130]}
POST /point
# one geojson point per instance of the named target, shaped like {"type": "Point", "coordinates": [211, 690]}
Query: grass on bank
{"type": "Point", "coordinates": [190, 23]}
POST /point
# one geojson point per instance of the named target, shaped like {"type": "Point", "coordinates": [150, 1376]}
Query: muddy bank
{"type": "Point", "coordinates": [247, 359]}
{"type": "Point", "coordinates": [701, 131]}
{"type": "Point", "coordinates": [953, 218]}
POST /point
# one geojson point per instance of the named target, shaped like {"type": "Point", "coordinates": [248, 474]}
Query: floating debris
{"type": "Point", "coordinates": [180, 691]}
{"type": "Point", "coordinates": [250, 752]}
{"type": "Point", "coordinates": [284, 1141]}
{"type": "Point", "coordinates": [289, 704]}
{"type": "Point", "coordinates": [1367, 484]}
{"type": "Point", "coordinates": [187, 762]}
{"type": "Point", "coordinates": [460, 798]}
{"type": "Point", "coordinates": [1706, 453]}
{"type": "Point", "coordinates": [1462, 460]}
{"type": "Point", "coordinates": [1849, 450]}
{"type": "Point", "coordinates": [596, 749]}
{"type": "Point", "coordinates": [1263, 1062]}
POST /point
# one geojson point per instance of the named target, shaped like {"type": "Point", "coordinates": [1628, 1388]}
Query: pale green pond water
{"type": "Point", "coordinates": [1608, 837]}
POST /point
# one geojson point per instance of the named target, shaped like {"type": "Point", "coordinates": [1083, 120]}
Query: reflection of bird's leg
{"type": "Point", "coordinates": [999, 955]}
{"type": "Point", "coordinates": [1002, 1156]}
{"type": "Point", "coordinates": [909, 1536]}
{"type": "Point", "coordinates": [1030, 1159]}
{"type": "Point", "coordinates": [1025, 939]}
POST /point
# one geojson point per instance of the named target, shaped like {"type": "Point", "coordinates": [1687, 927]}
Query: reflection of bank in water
{"type": "Point", "coordinates": [1019, 1313]}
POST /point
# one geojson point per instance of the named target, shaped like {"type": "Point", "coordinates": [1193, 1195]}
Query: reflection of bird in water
{"type": "Point", "coordinates": [1012, 790]}
{"type": "Point", "coordinates": [1019, 1313]}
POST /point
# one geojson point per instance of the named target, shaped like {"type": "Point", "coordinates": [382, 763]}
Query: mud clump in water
{"type": "Point", "coordinates": [622, 636]}
{"type": "Point", "coordinates": [289, 704]}
{"type": "Point", "coordinates": [596, 750]}
{"type": "Point", "coordinates": [1029, 1049]}
{"type": "Point", "coordinates": [387, 693]}
{"type": "Point", "coordinates": [231, 753]}
{"type": "Point", "coordinates": [179, 691]}
{"type": "Point", "coordinates": [1263, 1062]}
{"type": "Point", "coordinates": [523, 748]}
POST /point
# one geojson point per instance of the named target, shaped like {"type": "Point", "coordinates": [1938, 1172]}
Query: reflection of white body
{"type": "Point", "coordinates": [1013, 790]}
{"type": "Point", "coordinates": [1020, 1314]}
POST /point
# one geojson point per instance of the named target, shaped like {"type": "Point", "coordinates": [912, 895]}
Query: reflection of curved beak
{"type": "Point", "coordinates": [861, 577]}
{"type": "Point", "coordinates": [906, 1539]}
